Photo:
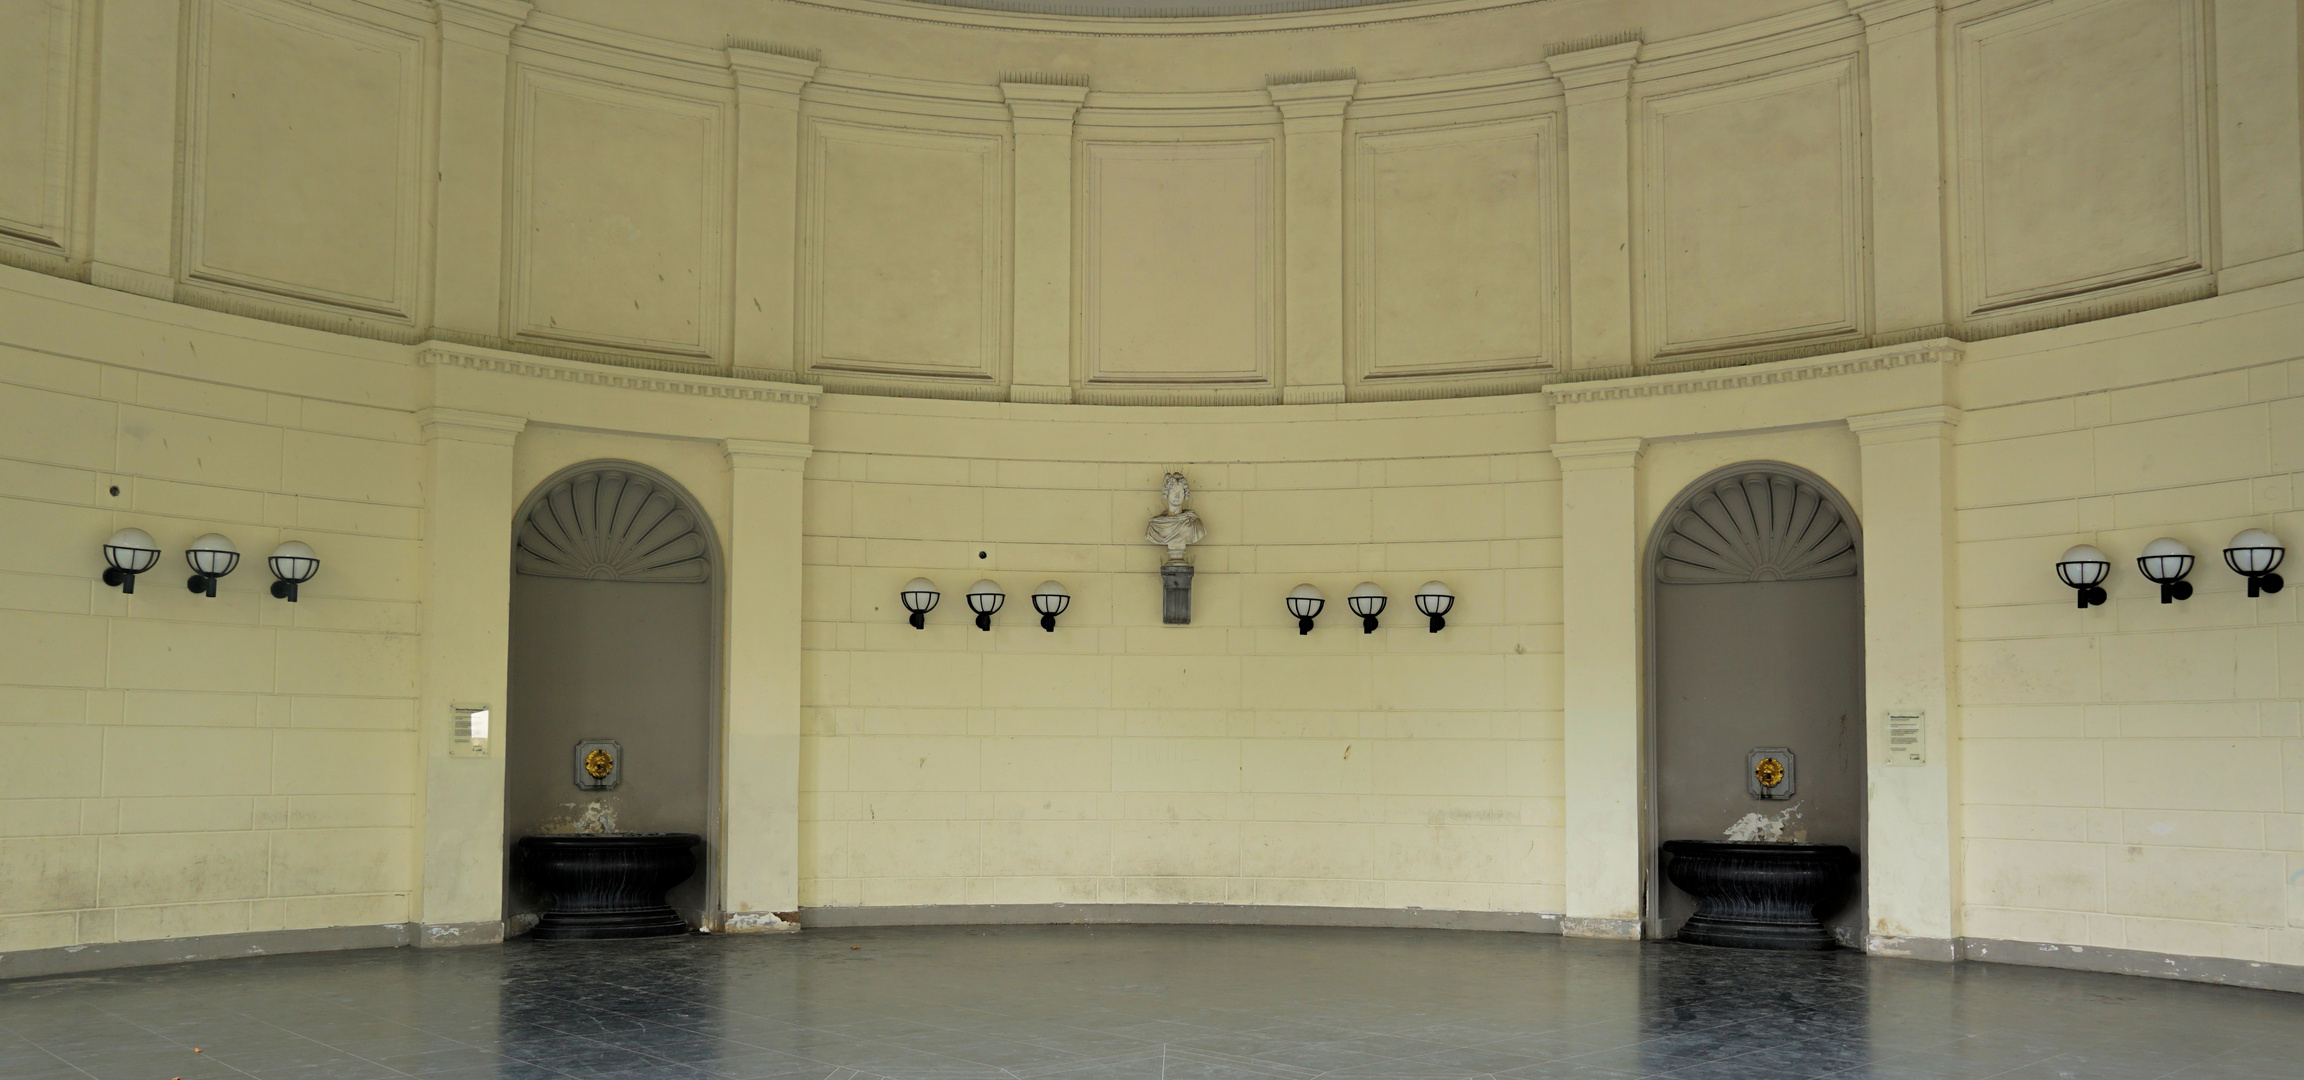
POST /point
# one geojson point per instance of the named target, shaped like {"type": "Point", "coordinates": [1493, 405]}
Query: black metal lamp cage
{"type": "Point", "coordinates": [1050, 600]}
{"type": "Point", "coordinates": [1305, 603]}
{"type": "Point", "coordinates": [985, 598]}
{"type": "Point", "coordinates": [919, 596]}
{"type": "Point", "coordinates": [1367, 601]}
{"type": "Point", "coordinates": [2164, 563]}
{"type": "Point", "coordinates": [1435, 599]}
{"type": "Point", "coordinates": [2084, 569]}
{"type": "Point", "coordinates": [210, 557]}
{"type": "Point", "coordinates": [128, 553]}
{"type": "Point", "coordinates": [292, 564]}
{"type": "Point", "coordinates": [2255, 554]}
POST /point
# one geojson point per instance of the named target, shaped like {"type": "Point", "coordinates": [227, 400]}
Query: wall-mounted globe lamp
{"type": "Point", "coordinates": [211, 557]}
{"type": "Point", "coordinates": [130, 552]}
{"type": "Point", "coordinates": [2164, 563]}
{"type": "Point", "coordinates": [1436, 599]}
{"type": "Point", "coordinates": [2254, 554]}
{"type": "Point", "coordinates": [1367, 601]}
{"type": "Point", "coordinates": [293, 564]}
{"type": "Point", "coordinates": [985, 598]}
{"type": "Point", "coordinates": [1050, 600]}
{"type": "Point", "coordinates": [1305, 603]}
{"type": "Point", "coordinates": [2083, 568]}
{"type": "Point", "coordinates": [920, 596]}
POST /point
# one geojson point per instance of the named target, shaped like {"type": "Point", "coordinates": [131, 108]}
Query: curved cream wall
{"type": "Point", "coordinates": [1436, 198]}
{"type": "Point", "coordinates": [239, 767]}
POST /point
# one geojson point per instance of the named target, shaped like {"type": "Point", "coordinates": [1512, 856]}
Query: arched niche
{"type": "Point", "coordinates": [614, 635]}
{"type": "Point", "coordinates": [1756, 640]}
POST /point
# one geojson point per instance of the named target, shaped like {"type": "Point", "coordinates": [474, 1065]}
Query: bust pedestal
{"type": "Point", "coordinates": [1176, 595]}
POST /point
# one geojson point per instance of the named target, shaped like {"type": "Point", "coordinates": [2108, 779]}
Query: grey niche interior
{"type": "Point", "coordinates": [1757, 631]}
{"type": "Point", "coordinates": [613, 623]}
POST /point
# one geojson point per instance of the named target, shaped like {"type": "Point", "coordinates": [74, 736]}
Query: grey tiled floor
{"type": "Point", "coordinates": [1127, 1003]}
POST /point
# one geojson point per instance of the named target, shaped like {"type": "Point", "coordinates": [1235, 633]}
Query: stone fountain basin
{"type": "Point", "coordinates": [1761, 895]}
{"type": "Point", "coordinates": [608, 885]}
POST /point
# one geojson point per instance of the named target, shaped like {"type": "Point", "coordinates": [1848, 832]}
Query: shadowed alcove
{"type": "Point", "coordinates": [1756, 632]}
{"type": "Point", "coordinates": [614, 601]}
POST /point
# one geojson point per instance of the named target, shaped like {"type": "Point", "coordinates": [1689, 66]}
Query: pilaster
{"type": "Point", "coordinates": [1913, 836]}
{"type": "Point", "coordinates": [1907, 169]}
{"type": "Point", "coordinates": [1599, 81]}
{"type": "Point", "coordinates": [1600, 616]}
{"type": "Point", "coordinates": [134, 234]}
{"type": "Point", "coordinates": [1312, 120]}
{"type": "Point", "coordinates": [468, 229]}
{"type": "Point", "coordinates": [465, 653]}
{"type": "Point", "coordinates": [2260, 156]}
{"type": "Point", "coordinates": [1042, 113]}
{"type": "Point", "coordinates": [760, 761]}
{"type": "Point", "coordinates": [768, 86]}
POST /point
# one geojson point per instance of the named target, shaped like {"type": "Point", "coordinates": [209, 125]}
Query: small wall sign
{"type": "Point", "coordinates": [1908, 737]}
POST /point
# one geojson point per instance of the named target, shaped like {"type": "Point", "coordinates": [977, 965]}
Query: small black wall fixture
{"type": "Point", "coordinates": [2164, 563]}
{"type": "Point", "coordinates": [2083, 568]}
{"type": "Point", "coordinates": [292, 564]}
{"type": "Point", "coordinates": [2254, 554]}
{"type": "Point", "coordinates": [130, 552]}
{"type": "Point", "coordinates": [1435, 599]}
{"type": "Point", "coordinates": [1367, 601]}
{"type": "Point", "coordinates": [1050, 600]}
{"type": "Point", "coordinates": [1305, 603]}
{"type": "Point", "coordinates": [985, 598]}
{"type": "Point", "coordinates": [211, 557]}
{"type": "Point", "coordinates": [919, 596]}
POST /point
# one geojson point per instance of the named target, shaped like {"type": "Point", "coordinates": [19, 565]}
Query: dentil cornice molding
{"type": "Point", "coordinates": [446, 354]}
{"type": "Point", "coordinates": [1936, 351]}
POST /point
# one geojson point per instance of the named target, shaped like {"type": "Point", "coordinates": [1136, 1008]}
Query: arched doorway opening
{"type": "Point", "coordinates": [1756, 643]}
{"type": "Point", "coordinates": [614, 640]}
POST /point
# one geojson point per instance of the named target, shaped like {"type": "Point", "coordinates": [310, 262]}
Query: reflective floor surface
{"type": "Point", "coordinates": [1080, 1003]}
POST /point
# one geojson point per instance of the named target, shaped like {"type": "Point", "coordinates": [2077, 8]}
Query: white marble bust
{"type": "Point", "coordinates": [1178, 527]}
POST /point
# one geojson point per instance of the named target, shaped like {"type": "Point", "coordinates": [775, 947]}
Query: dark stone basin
{"type": "Point", "coordinates": [608, 885]}
{"type": "Point", "coordinates": [1760, 896]}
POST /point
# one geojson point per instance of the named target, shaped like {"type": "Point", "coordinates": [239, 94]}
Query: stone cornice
{"type": "Point", "coordinates": [464, 425]}
{"type": "Point", "coordinates": [445, 354]}
{"type": "Point", "coordinates": [1044, 108]}
{"type": "Point", "coordinates": [1598, 66]}
{"type": "Point", "coordinates": [1312, 99]}
{"type": "Point", "coordinates": [485, 23]}
{"type": "Point", "coordinates": [1927, 421]}
{"type": "Point", "coordinates": [765, 67]}
{"type": "Point", "coordinates": [1938, 351]}
{"type": "Point", "coordinates": [766, 454]}
{"type": "Point", "coordinates": [1599, 453]}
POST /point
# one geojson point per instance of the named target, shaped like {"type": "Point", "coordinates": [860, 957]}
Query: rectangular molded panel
{"type": "Point", "coordinates": [904, 255]}
{"type": "Point", "coordinates": [619, 211]}
{"type": "Point", "coordinates": [39, 53]}
{"type": "Point", "coordinates": [302, 157]}
{"type": "Point", "coordinates": [1456, 249]}
{"type": "Point", "coordinates": [2083, 150]}
{"type": "Point", "coordinates": [1752, 213]}
{"type": "Point", "coordinates": [1177, 255]}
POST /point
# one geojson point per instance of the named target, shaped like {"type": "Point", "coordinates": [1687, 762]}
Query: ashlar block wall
{"type": "Point", "coordinates": [179, 765]}
{"type": "Point", "coordinates": [2133, 773]}
{"type": "Point", "coordinates": [1118, 760]}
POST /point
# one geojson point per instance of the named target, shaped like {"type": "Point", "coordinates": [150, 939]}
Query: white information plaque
{"type": "Point", "coordinates": [1908, 738]}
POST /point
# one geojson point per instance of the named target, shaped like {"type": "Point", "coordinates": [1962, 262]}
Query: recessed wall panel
{"type": "Point", "coordinates": [905, 250]}
{"type": "Point", "coordinates": [1177, 252]}
{"type": "Point", "coordinates": [618, 203]}
{"type": "Point", "coordinates": [1752, 215]}
{"type": "Point", "coordinates": [38, 60]}
{"type": "Point", "coordinates": [1456, 250]}
{"type": "Point", "coordinates": [2082, 135]}
{"type": "Point", "coordinates": [302, 156]}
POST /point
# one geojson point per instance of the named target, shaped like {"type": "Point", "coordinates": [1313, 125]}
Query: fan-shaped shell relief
{"type": "Point", "coordinates": [611, 525]}
{"type": "Point", "coordinates": [1756, 527]}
